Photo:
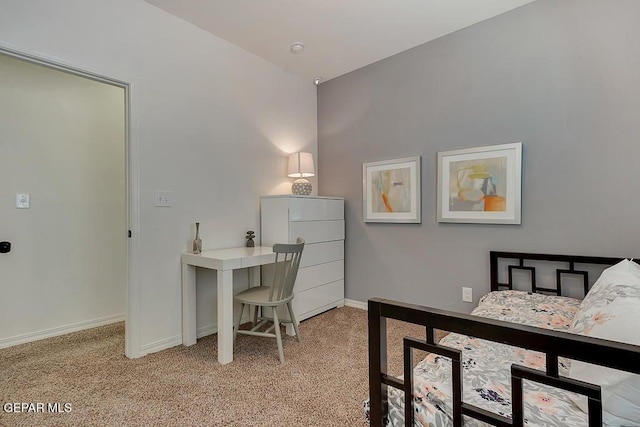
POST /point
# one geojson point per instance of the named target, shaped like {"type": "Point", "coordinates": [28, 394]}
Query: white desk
{"type": "Point", "coordinates": [224, 261]}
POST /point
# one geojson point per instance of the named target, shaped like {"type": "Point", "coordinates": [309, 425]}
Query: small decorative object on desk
{"type": "Point", "coordinates": [197, 242]}
{"type": "Point", "coordinates": [250, 236]}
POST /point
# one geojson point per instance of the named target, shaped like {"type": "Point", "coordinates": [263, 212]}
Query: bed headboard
{"type": "Point", "coordinates": [570, 262]}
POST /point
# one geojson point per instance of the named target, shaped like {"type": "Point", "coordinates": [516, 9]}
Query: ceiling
{"type": "Point", "coordinates": [339, 35]}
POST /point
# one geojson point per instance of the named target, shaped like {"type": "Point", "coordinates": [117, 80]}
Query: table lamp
{"type": "Point", "coordinates": [301, 167]}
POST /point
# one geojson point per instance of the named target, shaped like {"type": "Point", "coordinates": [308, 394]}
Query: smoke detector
{"type": "Point", "coordinates": [297, 47]}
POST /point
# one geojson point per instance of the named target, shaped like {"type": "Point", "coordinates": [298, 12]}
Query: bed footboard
{"type": "Point", "coordinates": [552, 343]}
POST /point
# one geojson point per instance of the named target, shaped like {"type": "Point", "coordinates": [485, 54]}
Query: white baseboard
{"type": "Point", "coordinates": [60, 330]}
{"type": "Point", "coordinates": [203, 331]}
{"type": "Point", "coordinates": [207, 330]}
{"type": "Point", "coordinates": [356, 304]}
{"type": "Point", "coordinates": [164, 344]}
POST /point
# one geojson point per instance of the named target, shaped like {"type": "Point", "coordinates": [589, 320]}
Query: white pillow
{"type": "Point", "coordinates": [617, 321]}
{"type": "Point", "coordinates": [620, 280]}
{"type": "Point", "coordinates": [625, 270]}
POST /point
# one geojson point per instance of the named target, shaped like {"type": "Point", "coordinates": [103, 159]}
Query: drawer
{"type": "Point", "coordinates": [320, 253]}
{"type": "Point", "coordinates": [302, 209]}
{"type": "Point", "coordinates": [319, 296]}
{"type": "Point", "coordinates": [317, 231]}
{"type": "Point", "coordinates": [321, 274]}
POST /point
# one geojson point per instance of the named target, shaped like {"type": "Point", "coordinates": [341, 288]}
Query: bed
{"type": "Point", "coordinates": [522, 357]}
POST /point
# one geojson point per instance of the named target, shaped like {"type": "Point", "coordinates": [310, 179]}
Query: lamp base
{"type": "Point", "coordinates": [301, 187]}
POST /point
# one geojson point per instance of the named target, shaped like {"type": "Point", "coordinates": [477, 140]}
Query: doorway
{"type": "Point", "coordinates": [64, 200]}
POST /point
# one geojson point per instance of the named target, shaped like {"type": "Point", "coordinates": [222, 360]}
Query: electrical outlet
{"type": "Point", "coordinates": [467, 294]}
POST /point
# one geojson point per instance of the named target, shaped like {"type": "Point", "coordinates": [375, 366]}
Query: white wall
{"type": "Point", "coordinates": [213, 125]}
{"type": "Point", "coordinates": [62, 141]}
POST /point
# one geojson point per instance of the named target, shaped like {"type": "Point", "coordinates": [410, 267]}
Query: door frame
{"type": "Point", "coordinates": [132, 179]}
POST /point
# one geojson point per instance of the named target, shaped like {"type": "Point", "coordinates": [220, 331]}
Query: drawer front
{"type": "Point", "coordinates": [302, 209]}
{"type": "Point", "coordinates": [317, 231]}
{"type": "Point", "coordinates": [316, 275]}
{"type": "Point", "coordinates": [311, 299]}
{"type": "Point", "coordinates": [320, 253]}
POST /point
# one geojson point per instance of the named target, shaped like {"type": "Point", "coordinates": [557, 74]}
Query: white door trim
{"type": "Point", "coordinates": [132, 168]}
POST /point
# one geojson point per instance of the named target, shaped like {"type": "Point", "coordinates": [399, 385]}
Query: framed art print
{"type": "Point", "coordinates": [480, 185]}
{"type": "Point", "coordinates": [391, 190]}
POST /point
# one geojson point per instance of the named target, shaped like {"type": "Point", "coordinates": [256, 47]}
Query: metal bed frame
{"type": "Point", "coordinates": [552, 343]}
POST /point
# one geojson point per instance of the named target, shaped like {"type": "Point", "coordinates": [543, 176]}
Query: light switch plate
{"type": "Point", "coordinates": [163, 198]}
{"type": "Point", "coordinates": [22, 200]}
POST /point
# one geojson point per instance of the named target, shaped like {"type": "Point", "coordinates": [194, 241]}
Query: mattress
{"type": "Point", "coordinates": [486, 369]}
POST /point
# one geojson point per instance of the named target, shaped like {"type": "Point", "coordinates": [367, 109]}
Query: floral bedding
{"type": "Point", "coordinates": [620, 281]}
{"type": "Point", "coordinates": [486, 369]}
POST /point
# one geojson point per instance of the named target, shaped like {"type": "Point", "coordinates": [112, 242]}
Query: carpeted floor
{"type": "Point", "coordinates": [323, 382]}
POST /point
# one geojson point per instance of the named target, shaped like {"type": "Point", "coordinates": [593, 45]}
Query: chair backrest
{"type": "Point", "coordinates": [286, 269]}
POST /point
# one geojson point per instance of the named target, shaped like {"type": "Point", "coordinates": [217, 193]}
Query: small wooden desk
{"type": "Point", "coordinates": [224, 261]}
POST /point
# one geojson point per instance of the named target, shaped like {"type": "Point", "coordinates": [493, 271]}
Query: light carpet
{"type": "Point", "coordinates": [323, 383]}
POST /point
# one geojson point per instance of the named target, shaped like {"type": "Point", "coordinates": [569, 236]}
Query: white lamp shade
{"type": "Point", "coordinates": [301, 165]}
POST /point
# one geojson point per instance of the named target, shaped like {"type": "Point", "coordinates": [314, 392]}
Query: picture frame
{"type": "Point", "coordinates": [391, 190]}
{"type": "Point", "coordinates": [481, 185]}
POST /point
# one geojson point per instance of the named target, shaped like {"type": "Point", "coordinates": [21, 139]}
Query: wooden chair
{"type": "Point", "coordinates": [279, 293]}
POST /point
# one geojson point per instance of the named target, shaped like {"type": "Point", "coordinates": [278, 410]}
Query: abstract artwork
{"type": "Point", "coordinates": [391, 190]}
{"type": "Point", "coordinates": [480, 185]}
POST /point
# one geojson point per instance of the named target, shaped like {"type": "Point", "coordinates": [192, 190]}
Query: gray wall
{"type": "Point", "coordinates": [563, 77]}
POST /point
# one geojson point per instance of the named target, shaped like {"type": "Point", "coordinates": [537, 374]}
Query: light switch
{"type": "Point", "coordinates": [163, 198]}
{"type": "Point", "coordinates": [22, 200]}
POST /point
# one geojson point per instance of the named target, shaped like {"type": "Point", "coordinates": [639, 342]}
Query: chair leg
{"type": "Point", "coordinates": [235, 331]}
{"type": "Point", "coordinates": [294, 322]}
{"type": "Point", "coordinates": [278, 337]}
{"type": "Point", "coordinates": [255, 316]}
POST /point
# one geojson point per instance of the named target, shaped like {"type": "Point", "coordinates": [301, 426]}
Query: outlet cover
{"type": "Point", "coordinates": [467, 294]}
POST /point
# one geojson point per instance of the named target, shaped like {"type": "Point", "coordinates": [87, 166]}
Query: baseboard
{"type": "Point", "coordinates": [60, 330]}
{"type": "Point", "coordinates": [356, 304]}
{"type": "Point", "coordinates": [203, 331]}
{"type": "Point", "coordinates": [207, 330]}
{"type": "Point", "coordinates": [164, 344]}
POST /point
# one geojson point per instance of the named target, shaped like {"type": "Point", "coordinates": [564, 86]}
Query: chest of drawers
{"type": "Point", "coordinates": [320, 222]}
